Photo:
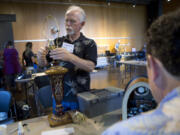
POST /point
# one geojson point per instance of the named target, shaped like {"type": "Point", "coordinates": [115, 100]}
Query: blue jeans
{"type": "Point", "coordinates": [66, 106]}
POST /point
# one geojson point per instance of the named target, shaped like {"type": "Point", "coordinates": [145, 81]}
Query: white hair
{"type": "Point", "coordinates": [82, 14]}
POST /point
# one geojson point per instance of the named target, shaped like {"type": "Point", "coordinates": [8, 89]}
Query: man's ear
{"type": "Point", "coordinates": [156, 72]}
{"type": "Point", "coordinates": [152, 67]}
{"type": "Point", "coordinates": [82, 24]}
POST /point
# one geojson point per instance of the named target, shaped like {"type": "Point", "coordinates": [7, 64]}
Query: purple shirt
{"type": "Point", "coordinates": [11, 62]}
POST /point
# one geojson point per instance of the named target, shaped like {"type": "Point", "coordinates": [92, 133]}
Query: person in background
{"type": "Point", "coordinates": [77, 53]}
{"type": "Point", "coordinates": [117, 45]}
{"type": "Point", "coordinates": [28, 58]}
{"type": "Point", "coordinates": [11, 66]}
{"type": "Point", "coordinates": [163, 66]}
{"type": "Point", "coordinates": [1, 67]}
{"type": "Point", "coordinates": [118, 56]}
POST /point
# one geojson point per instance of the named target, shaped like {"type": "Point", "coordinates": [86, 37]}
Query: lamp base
{"type": "Point", "coordinates": [55, 120]}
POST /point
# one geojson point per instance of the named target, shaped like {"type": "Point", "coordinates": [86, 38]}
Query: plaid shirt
{"type": "Point", "coordinates": [164, 120]}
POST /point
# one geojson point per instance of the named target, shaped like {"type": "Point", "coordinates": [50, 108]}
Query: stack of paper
{"type": "Point", "coordinates": [64, 131]}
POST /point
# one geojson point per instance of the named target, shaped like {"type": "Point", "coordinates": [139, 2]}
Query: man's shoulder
{"type": "Point", "coordinates": [88, 41]}
{"type": "Point", "coordinates": [142, 124]}
{"type": "Point", "coordinates": [86, 38]}
{"type": "Point", "coordinates": [172, 102]}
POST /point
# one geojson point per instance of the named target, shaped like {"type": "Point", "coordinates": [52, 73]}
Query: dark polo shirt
{"type": "Point", "coordinates": [77, 80]}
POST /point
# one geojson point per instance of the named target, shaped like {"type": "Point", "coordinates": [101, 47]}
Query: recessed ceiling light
{"type": "Point", "coordinates": [134, 5]}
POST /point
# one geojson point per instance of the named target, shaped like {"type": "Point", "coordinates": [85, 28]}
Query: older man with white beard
{"type": "Point", "coordinates": [75, 52]}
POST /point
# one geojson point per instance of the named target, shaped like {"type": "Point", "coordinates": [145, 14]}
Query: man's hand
{"type": "Point", "coordinates": [61, 54]}
{"type": "Point", "coordinates": [41, 56]}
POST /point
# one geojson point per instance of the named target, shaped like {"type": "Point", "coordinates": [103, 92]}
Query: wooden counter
{"type": "Point", "coordinates": [93, 126]}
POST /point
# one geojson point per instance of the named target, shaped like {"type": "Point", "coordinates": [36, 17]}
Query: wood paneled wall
{"type": "Point", "coordinates": [106, 24]}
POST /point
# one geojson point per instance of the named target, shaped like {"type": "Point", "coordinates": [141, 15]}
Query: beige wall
{"type": "Point", "coordinates": [104, 23]}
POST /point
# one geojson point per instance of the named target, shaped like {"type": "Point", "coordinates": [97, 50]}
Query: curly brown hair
{"type": "Point", "coordinates": [163, 41]}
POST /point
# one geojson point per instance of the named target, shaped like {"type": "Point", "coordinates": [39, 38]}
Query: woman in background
{"type": "Point", "coordinates": [11, 66]}
{"type": "Point", "coordinates": [28, 56]}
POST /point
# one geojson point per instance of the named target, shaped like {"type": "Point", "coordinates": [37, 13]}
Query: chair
{"type": "Point", "coordinates": [42, 81]}
{"type": "Point", "coordinates": [5, 102]}
{"type": "Point", "coordinates": [44, 96]}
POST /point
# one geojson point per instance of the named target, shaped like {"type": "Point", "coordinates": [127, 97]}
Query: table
{"type": "Point", "coordinates": [29, 80]}
{"type": "Point", "coordinates": [132, 63]}
{"type": "Point", "coordinates": [26, 82]}
{"type": "Point", "coordinates": [29, 84]}
{"type": "Point", "coordinates": [93, 126]}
